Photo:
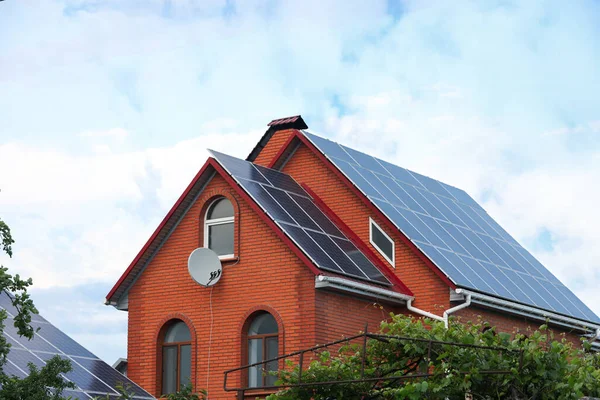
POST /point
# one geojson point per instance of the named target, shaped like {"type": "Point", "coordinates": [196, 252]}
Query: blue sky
{"type": "Point", "coordinates": [107, 107]}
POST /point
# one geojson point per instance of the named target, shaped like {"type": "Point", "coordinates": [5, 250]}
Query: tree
{"type": "Point", "coordinates": [41, 384]}
{"type": "Point", "coordinates": [536, 365]}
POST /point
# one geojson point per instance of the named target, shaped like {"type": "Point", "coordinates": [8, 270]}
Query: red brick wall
{"type": "Point", "coordinates": [340, 316]}
{"type": "Point", "coordinates": [268, 275]}
{"type": "Point", "coordinates": [273, 146]}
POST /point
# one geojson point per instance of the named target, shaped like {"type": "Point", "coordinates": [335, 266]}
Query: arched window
{"type": "Point", "coordinates": [176, 357]}
{"type": "Point", "coordinates": [218, 228]}
{"type": "Point", "coordinates": [263, 344]}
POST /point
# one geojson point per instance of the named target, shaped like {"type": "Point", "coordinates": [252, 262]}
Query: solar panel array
{"type": "Point", "coordinates": [454, 232]}
{"type": "Point", "coordinates": [93, 377]}
{"type": "Point", "coordinates": [280, 196]}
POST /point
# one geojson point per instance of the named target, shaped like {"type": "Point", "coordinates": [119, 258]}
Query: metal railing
{"type": "Point", "coordinates": [363, 337]}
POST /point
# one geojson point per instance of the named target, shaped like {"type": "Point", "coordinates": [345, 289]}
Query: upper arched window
{"type": "Point", "coordinates": [218, 227]}
{"type": "Point", "coordinates": [176, 357]}
{"type": "Point", "coordinates": [263, 344]}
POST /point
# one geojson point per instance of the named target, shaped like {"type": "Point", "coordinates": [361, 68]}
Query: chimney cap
{"type": "Point", "coordinates": [295, 122]}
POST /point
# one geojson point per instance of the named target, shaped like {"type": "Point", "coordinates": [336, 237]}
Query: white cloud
{"type": "Point", "coordinates": [82, 218]}
{"type": "Point", "coordinates": [118, 134]}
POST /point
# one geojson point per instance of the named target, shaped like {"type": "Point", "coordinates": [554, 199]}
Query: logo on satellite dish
{"type": "Point", "coordinates": [204, 267]}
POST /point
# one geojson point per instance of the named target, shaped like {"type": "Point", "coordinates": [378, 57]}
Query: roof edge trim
{"type": "Point", "coordinates": [335, 283]}
{"type": "Point", "coordinates": [532, 312]}
{"type": "Point", "coordinates": [109, 297]}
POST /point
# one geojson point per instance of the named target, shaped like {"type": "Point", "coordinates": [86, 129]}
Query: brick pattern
{"type": "Point", "coordinates": [340, 316]}
{"type": "Point", "coordinates": [273, 146]}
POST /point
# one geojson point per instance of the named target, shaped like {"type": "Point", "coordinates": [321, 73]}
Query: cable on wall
{"type": "Point", "coordinates": [209, 338]}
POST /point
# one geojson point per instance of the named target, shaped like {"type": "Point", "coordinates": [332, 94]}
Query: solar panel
{"type": "Point", "coordinates": [293, 210]}
{"type": "Point", "coordinates": [93, 377]}
{"type": "Point", "coordinates": [454, 232]}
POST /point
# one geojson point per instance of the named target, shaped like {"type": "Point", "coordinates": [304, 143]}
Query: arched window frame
{"type": "Point", "coordinates": [246, 353]}
{"type": "Point", "coordinates": [162, 344]}
{"type": "Point", "coordinates": [218, 221]}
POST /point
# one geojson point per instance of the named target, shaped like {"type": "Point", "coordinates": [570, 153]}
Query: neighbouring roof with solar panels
{"type": "Point", "coordinates": [454, 232]}
{"type": "Point", "coordinates": [293, 210]}
{"type": "Point", "coordinates": [93, 377]}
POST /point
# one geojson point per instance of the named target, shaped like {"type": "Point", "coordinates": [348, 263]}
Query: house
{"type": "Point", "coordinates": [310, 234]}
{"type": "Point", "coordinates": [93, 377]}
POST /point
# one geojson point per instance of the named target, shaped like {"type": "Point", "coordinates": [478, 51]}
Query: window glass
{"type": "Point", "coordinates": [185, 365]}
{"type": "Point", "coordinates": [263, 344]}
{"type": "Point", "coordinates": [382, 242]}
{"type": "Point", "coordinates": [176, 357]}
{"type": "Point", "coordinates": [220, 209]}
{"type": "Point", "coordinates": [272, 351]}
{"type": "Point", "coordinates": [169, 372]}
{"type": "Point", "coordinates": [255, 353]}
{"type": "Point", "coordinates": [178, 332]}
{"type": "Point", "coordinates": [220, 238]}
{"type": "Point", "coordinates": [263, 324]}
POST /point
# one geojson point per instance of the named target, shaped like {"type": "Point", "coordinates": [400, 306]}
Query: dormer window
{"type": "Point", "coordinates": [218, 228]}
{"type": "Point", "coordinates": [382, 242]}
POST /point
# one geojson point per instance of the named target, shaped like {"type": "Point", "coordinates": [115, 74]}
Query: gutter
{"type": "Point", "coordinates": [531, 312]}
{"type": "Point", "coordinates": [349, 286]}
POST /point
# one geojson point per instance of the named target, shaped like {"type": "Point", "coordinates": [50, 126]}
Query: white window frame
{"type": "Point", "coordinates": [393, 260]}
{"type": "Point", "coordinates": [217, 221]}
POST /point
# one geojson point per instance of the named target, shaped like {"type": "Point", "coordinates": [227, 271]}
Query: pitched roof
{"type": "Point", "coordinates": [212, 166]}
{"type": "Point", "coordinates": [92, 376]}
{"type": "Point", "coordinates": [454, 232]}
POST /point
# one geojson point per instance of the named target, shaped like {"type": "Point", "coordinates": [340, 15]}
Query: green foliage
{"type": "Point", "coordinates": [125, 392]}
{"type": "Point", "coordinates": [187, 393]}
{"type": "Point", "coordinates": [6, 239]}
{"type": "Point", "coordinates": [550, 369]}
{"type": "Point", "coordinates": [37, 385]}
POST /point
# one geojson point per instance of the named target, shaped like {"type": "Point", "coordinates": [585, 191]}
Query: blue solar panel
{"type": "Point", "coordinates": [93, 377]}
{"type": "Point", "coordinates": [454, 232]}
{"type": "Point", "coordinates": [294, 211]}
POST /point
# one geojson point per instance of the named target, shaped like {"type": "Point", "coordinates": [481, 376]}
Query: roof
{"type": "Point", "coordinates": [92, 376]}
{"type": "Point", "coordinates": [454, 232]}
{"type": "Point", "coordinates": [247, 179]}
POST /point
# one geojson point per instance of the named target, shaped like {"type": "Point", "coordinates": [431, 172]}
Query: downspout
{"type": "Point", "coordinates": [427, 314]}
{"type": "Point", "coordinates": [459, 307]}
{"type": "Point", "coordinates": [596, 336]}
{"type": "Point", "coordinates": [446, 314]}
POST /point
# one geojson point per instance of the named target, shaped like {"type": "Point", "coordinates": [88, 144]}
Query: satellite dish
{"type": "Point", "coordinates": [204, 267]}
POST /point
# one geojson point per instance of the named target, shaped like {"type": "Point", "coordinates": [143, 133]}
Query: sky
{"type": "Point", "coordinates": [107, 109]}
